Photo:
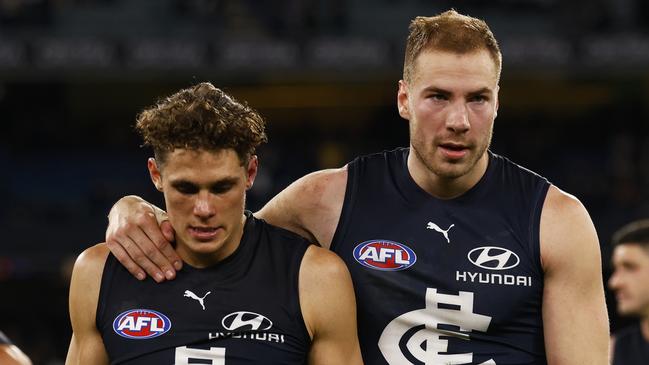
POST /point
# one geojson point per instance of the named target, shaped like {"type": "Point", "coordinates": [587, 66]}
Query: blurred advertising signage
{"type": "Point", "coordinates": [166, 53]}
{"type": "Point", "coordinates": [348, 53]}
{"type": "Point", "coordinates": [12, 54]}
{"type": "Point", "coordinates": [74, 53]}
{"type": "Point", "coordinates": [257, 54]}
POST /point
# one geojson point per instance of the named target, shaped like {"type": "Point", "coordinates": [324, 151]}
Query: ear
{"type": "Point", "coordinates": [497, 100]}
{"type": "Point", "coordinates": [154, 172]}
{"type": "Point", "coordinates": [251, 170]}
{"type": "Point", "coordinates": [402, 100]}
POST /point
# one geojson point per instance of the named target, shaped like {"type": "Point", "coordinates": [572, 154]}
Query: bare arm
{"type": "Point", "coordinates": [574, 310]}
{"type": "Point", "coordinates": [12, 355]}
{"type": "Point", "coordinates": [136, 238]}
{"type": "Point", "coordinates": [310, 206]}
{"type": "Point", "coordinates": [329, 308]}
{"type": "Point", "coordinates": [86, 346]}
{"type": "Point", "coordinates": [139, 236]}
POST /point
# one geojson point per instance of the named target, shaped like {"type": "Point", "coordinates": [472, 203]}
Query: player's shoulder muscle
{"type": "Point", "coordinates": [310, 206]}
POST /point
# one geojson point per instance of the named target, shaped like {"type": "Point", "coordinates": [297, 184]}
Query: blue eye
{"type": "Point", "coordinates": [438, 97]}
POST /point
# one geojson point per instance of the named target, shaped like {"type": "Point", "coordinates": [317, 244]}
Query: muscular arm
{"type": "Point", "coordinates": [86, 346]}
{"type": "Point", "coordinates": [310, 206]}
{"type": "Point", "coordinates": [574, 310]}
{"type": "Point", "coordinates": [329, 308]}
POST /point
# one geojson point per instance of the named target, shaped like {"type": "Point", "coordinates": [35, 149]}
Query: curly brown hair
{"type": "Point", "coordinates": [201, 117]}
{"type": "Point", "coordinates": [452, 32]}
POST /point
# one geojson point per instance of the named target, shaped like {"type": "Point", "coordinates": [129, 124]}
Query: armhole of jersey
{"type": "Point", "coordinates": [535, 223]}
{"type": "Point", "coordinates": [104, 288]}
{"type": "Point", "coordinates": [346, 211]}
{"type": "Point", "coordinates": [298, 258]}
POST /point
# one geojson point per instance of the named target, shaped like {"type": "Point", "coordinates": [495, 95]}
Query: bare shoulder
{"type": "Point", "coordinates": [566, 229]}
{"type": "Point", "coordinates": [310, 206]}
{"type": "Point", "coordinates": [320, 264]}
{"type": "Point", "coordinates": [326, 292]}
{"type": "Point", "coordinates": [85, 284]}
{"type": "Point", "coordinates": [558, 201]}
{"type": "Point", "coordinates": [91, 261]}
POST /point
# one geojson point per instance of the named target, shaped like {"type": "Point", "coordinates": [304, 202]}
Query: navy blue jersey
{"type": "Point", "coordinates": [455, 281]}
{"type": "Point", "coordinates": [631, 348]}
{"type": "Point", "coordinates": [4, 340]}
{"type": "Point", "coordinates": [243, 310]}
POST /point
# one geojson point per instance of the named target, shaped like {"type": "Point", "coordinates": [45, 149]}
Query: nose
{"type": "Point", "coordinates": [614, 281]}
{"type": "Point", "coordinates": [457, 119]}
{"type": "Point", "coordinates": [203, 205]}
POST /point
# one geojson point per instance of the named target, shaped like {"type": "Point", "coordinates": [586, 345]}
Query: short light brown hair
{"type": "Point", "coordinates": [450, 32]}
{"type": "Point", "coordinates": [201, 117]}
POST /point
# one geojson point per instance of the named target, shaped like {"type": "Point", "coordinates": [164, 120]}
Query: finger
{"type": "Point", "coordinates": [146, 254]}
{"type": "Point", "coordinates": [170, 235]}
{"type": "Point", "coordinates": [141, 258]}
{"type": "Point", "coordinates": [159, 250]}
{"type": "Point", "coordinates": [122, 256]}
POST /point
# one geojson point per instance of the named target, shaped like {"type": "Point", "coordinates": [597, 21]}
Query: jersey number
{"type": "Point", "coordinates": [215, 354]}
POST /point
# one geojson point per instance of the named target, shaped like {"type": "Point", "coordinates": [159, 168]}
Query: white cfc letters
{"type": "Point", "coordinates": [425, 344]}
{"type": "Point", "coordinates": [215, 354]}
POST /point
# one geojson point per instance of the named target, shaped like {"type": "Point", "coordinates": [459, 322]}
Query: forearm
{"type": "Point", "coordinates": [129, 204]}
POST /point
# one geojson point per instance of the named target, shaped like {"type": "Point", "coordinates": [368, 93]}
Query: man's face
{"type": "Point", "coordinates": [630, 279]}
{"type": "Point", "coordinates": [204, 193]}
{"type": "Point", "coordinates": [451, 103]}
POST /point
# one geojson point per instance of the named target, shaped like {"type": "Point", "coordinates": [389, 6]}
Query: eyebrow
{"type": "Point", "coordinates": [484, 90]}
{"type": "Point", "coordinates": [213, 184]}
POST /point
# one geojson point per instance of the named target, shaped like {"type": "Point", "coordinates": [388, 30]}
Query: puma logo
{"type": "Point", "coordinates": [435, 227]}
{"type": "Point", "coordinates": [190, 294]}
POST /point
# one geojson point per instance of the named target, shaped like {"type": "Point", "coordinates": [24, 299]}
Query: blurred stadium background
{"type": "Point", "coordinates": [73, 74]}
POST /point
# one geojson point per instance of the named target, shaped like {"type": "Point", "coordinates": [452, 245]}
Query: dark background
{"type": "Point", "coordinates": [73, 74]}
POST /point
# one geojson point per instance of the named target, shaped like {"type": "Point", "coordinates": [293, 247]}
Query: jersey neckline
{"type": "Point", "coordinates": [415, 193]}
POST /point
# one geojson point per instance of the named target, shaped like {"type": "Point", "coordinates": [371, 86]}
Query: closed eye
{"type": "Point", "coordinates": [186, 188]}
{"type": "Point", "coordinates": [222, 187]}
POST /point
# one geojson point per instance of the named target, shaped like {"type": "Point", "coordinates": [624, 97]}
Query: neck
{"type": "Point", "coordinates": [445, 187]}
{"type": "Point", "coordinates": [644, 327]}
{"type": "Point", "coordinates": [201, 260]}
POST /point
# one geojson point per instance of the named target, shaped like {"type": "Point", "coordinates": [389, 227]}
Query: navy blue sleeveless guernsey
{"type": "Point", "coordinates": [244, 310]}
{"type": "Point", "coordinates": [455, 281]}
{"type": "Point", "coordinates": [631, 348]}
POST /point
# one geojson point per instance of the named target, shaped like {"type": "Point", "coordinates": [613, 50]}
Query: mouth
{"type": "Point", "coordinates": [203, 233]}
{"type": "Point", "coordinates": [454, 151]}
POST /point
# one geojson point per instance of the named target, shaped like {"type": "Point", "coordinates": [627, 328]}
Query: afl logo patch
{"type": "Point", "coordinates": [493, 258]}
{"type": "Point", "coordinates": [141, 324]}
{"type": "Point", "coordinates": [384, 255]}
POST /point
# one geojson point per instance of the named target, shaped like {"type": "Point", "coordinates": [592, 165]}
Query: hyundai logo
{"type": "Point", "coordinates": [493, 258]}
{"type": "Point", "coordinates": [246, 321]}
